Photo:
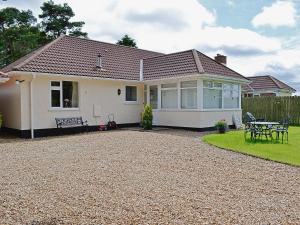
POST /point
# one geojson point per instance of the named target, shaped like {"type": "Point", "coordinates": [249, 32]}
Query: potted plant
{"type": "Point", "coordinates": [221, 126]}
{"type": "Point", "coordinates": [147, 117]}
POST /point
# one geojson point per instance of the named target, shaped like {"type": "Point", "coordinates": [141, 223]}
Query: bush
{"type": "Point", "coordinates": [221, 126]}
{"type": "Point", "coordinates": [147, 117]}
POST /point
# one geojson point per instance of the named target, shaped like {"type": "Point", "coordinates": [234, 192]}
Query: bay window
{"type": "Point", "coordinates": [220, 95]}
{"type": "Point", "coordinates": [188, 94]}
{"type": "Point", "coordinates": [64, 94]}
{"type": "Point", "coordinates": [212, 95]}
{"type": "Point", "coordinates": [169, 96]}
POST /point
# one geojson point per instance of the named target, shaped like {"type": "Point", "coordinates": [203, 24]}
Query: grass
{"type": "Point", "coordinates": [288, 153]}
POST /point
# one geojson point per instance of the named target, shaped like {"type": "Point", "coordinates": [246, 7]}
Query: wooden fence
{"type": "Point", "coordinates": [273, 108]}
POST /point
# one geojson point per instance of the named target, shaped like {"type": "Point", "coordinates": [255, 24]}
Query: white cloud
{"type": "Point", "coordinates": [280, 13]}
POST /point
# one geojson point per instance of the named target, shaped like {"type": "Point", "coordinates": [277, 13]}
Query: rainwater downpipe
{"type": "Point", "coordinates": [32, 107]}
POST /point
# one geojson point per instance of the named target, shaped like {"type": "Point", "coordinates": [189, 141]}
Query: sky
{"type": "Point", "coordinates": [259, 37]}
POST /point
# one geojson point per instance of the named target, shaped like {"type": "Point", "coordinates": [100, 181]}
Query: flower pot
{"type": "Point", "coordinates": [222, 130]}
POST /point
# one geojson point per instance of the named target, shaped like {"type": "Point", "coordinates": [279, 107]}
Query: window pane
{"type": "Point", "coordinates": [211, 84]}
{"type": "Point", "coordinates": [153, 96]}
{"type": "Point", "coordinates": [208, 84]}
{"type": "Point", "coordinates": [55, 83]}
{"type": "Point", "coordinates": [145, 94]}
{"type": "Point", "coordinates": [174, 85]}
{"type": "Point", "coordinates": [169, 99]}
{"type": "Point", "coordinates": [70, 94]}
{"type": "Point", "coordinates": [189, 98]}
{"type": "Point", "coordinates": [55, 98]}
{"type": "Point", "coordinates": [212, 99]}
{"type": "Point", "coordinates": [231, 96]}
{"type": "Point", "coordinates": [131, 93]}
{"type": "Point", "coordinates": [189, 84]}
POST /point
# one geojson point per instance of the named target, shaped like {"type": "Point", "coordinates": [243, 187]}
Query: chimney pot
{"type": "Point", "coordinates": [221, 59]}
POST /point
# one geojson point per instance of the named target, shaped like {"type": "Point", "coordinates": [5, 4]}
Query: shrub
{"type": "Point", "coordinates": [221, 126]}
{"type": "Point", "coordinates": [147, 117]}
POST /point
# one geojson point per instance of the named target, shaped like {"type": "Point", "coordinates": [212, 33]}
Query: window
{"type": "Point", "coordinates": [188, 94]}
{"type": "Point", "coordinates": [145, 94]}
{"type": "Point", "coordinates": [231, 95]}
{"type": "Point", "coordinates": [153, 96]}
{"type": "Point", "coordinates": [64, 94]}
{"type": "Point", "coordinates": [131, 93]}
{"type": "Point", "coordinates": [169, 96]}
{"type": "Point", "coordinates": [212, 95]}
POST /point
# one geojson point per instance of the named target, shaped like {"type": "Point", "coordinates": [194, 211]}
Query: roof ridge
{"type": "Point", "coordinates": [274, 81]}
{"type": "Point", "coordinates": [279, 83]}
{"type": "Point", "coordinates": [197, 61]}
{"type": "Point", "coordinates": [117, 45]}
{"type": "Point", "coordinates": [222, 65]}
{"type": "Point", "coordinates": [39, 51]}
{"type": "Point", "coordinates": [173, 53]}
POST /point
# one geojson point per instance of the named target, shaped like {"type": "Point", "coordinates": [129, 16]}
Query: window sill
{"type": "Point", "coordinates": [131, 103]}
{"type": "Point", "coordinates": [194, 110]}
{"type": "Point", "coordinates": [63, 109]}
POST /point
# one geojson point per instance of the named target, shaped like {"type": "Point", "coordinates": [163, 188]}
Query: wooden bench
{"type": "Point", "coordinates": [70, 122]}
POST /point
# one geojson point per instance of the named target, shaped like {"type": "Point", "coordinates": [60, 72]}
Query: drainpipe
{"type": "Point", "coordinates": [31, 107]}
{"type": "Point", "coordinates": [141, 70]}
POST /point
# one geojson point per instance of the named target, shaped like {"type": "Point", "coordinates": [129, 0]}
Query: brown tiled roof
{"type": "Point", "coordinates": [247, 88]}
{"type": "Point", "coordinates": [171, 65]}
{"type": "Point", "coordinates": [76, 56]}
{"type": "Point", "coordinates": [268, 82]}
{"type": "Point", "coordinates": [185, 63]}
{"type": "Point", "coordinates": [212, 67]}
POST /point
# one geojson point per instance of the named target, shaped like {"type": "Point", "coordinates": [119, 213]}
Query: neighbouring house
{"type": "Point", "coordinates": [266, 86]}
{"type": "Point", "coordinates": [80, 77]}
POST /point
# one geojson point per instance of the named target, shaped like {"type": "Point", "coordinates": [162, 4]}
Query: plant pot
{"type": "Point", "coordinates": [222, 130]}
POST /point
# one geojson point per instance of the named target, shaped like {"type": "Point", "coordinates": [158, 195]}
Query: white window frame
{"type": "Point", "coordinates": [131, 102]}
{"type": "Point", "coordinates": [60, 88]}
{"type": "Point", "coordinates": [188, 88]}
{"type": "Point", "coordinates": [213, 88]}
{"type": "Point", "coordinates": [222, 89]}
{"type": "Point", "coordinates": [169, 89]}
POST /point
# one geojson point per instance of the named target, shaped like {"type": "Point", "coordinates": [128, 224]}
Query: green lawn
{"type": "Point", "coordinates": [288, 153]}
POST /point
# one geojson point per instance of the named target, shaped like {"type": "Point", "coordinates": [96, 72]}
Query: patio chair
{"type": "Point", "coordinates": [251, 118]}
{"type": "Point", "coordinates": [282, 129]}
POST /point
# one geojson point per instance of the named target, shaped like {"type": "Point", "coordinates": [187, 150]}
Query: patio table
{"type": "Point", "coordinates": [264, 128]}
{"type": "Point", "coordinates": [265, 123]}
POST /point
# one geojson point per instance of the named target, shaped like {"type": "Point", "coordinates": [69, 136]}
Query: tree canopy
{"type": "Point", "coordinates": [56, 20]}
{"type": "Point", "coordinates": [20, 33]}
{"type": "Point", "coordinates": [127, 41]}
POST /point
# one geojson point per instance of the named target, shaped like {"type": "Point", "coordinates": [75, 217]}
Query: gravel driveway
{"type": "Point", "coordinates": [132, 177]}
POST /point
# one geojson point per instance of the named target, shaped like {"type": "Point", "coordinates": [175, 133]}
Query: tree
{"type": "Point", "coordinates": [127, 41]}
{"type": "Point", "coordinates": [19, 34]}
{"type": "Point", "coordinates": [56, 20]}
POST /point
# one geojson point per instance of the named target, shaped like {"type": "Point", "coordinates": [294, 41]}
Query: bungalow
{"type": "Point", "coordinates": [266, 86]}
{"type": "Point", "coordinates": [72, 77]}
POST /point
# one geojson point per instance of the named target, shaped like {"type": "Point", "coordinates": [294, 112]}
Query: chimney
{"type": "Point", "coordinates": [221, 59]}
{"type": "Point", "coordinates": [99, 61]}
